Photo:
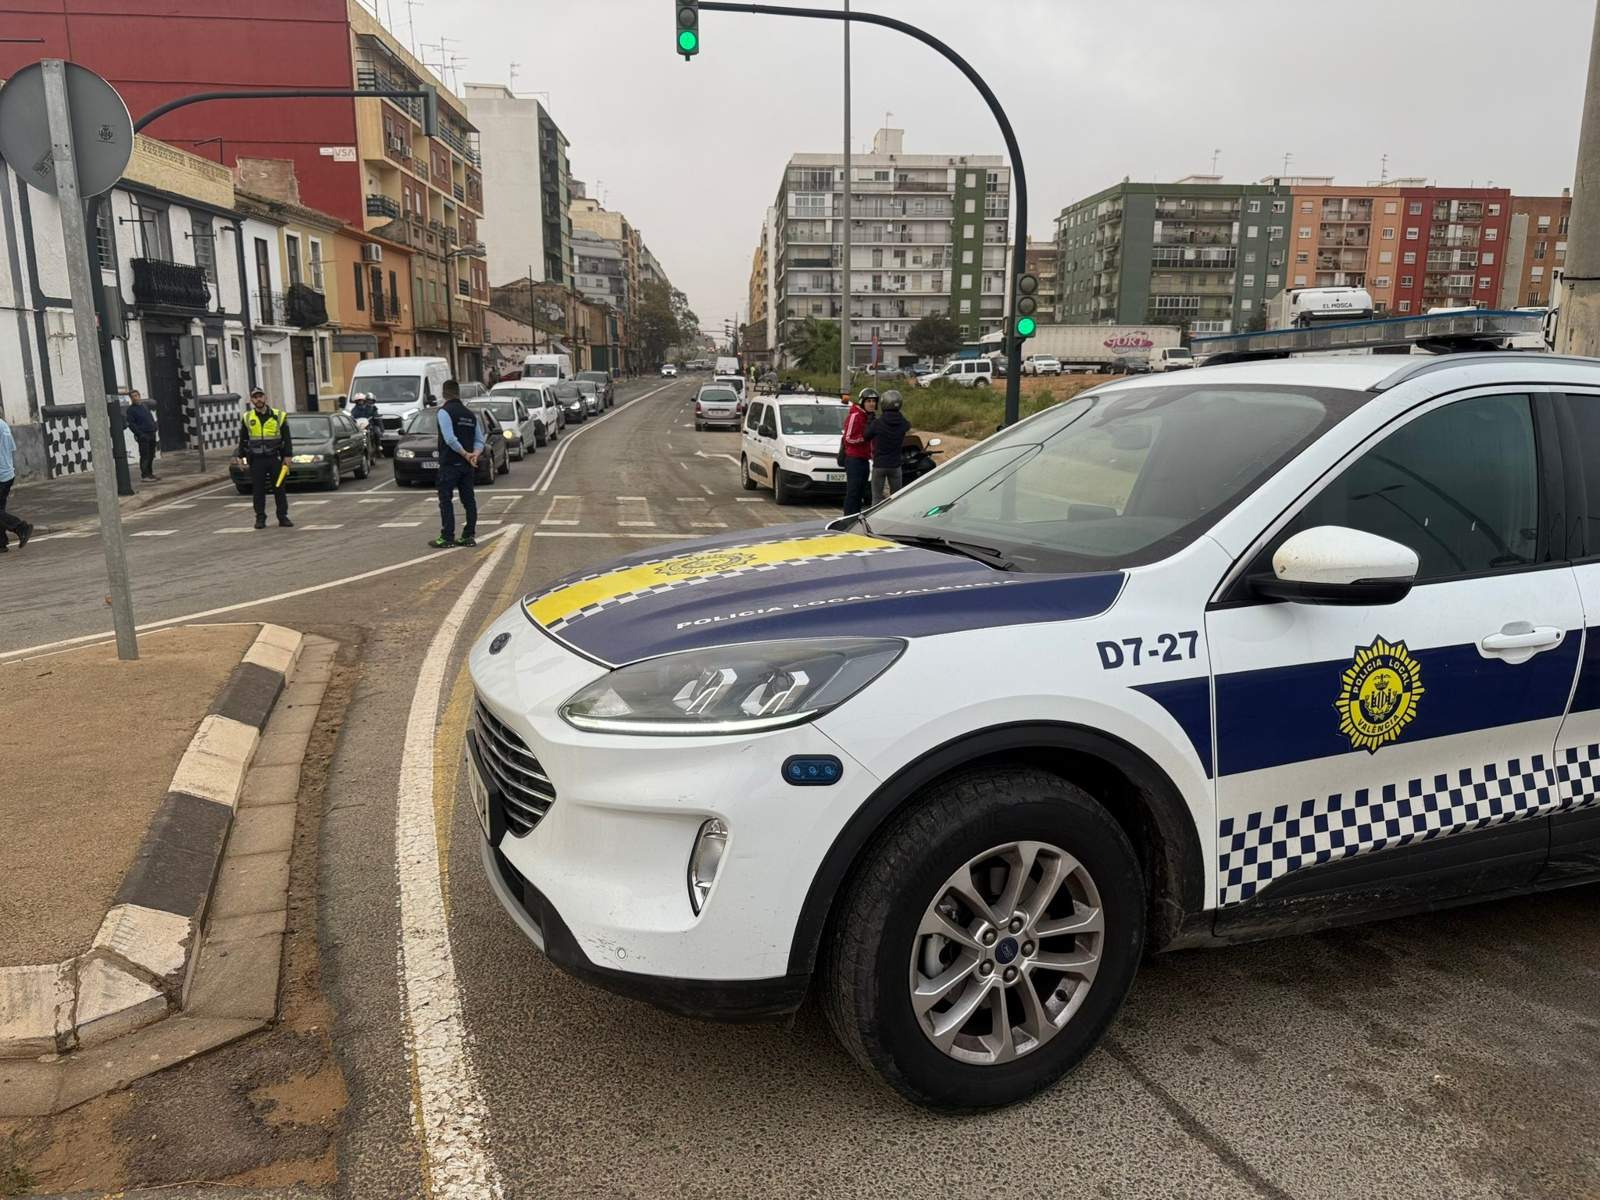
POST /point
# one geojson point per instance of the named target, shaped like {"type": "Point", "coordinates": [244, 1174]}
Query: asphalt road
{"type": "Point", "coordinates": [1452, 1055]}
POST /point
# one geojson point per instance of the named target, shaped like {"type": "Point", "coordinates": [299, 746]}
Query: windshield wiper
{"type": "Point", "coordinates": [987, 555]}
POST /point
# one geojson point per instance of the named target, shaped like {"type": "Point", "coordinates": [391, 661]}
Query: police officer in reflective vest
{"type": "Point", "coordinates": [264, 447]}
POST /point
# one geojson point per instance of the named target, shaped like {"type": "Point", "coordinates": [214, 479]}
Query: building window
{"type": "Point", "coordinates": [1252, 231]}
{"type": "Point", "coordinates": [1483, 282]}
{"type": "Point", "coordinates": [1405, 306]}
{"type": "Point", "coordinates": [1302, 257]}
{"type": "Point", "coordinates": [322, 360]}
{"type": "Point", "coordinates": [1390, 208]}
{"type": "Point", "coordinates": [1540, 249]}
{"type": "Point", "coordinates": [1255, 206]}
{"type": "Point", "coordinates": [970, 205]}
{"type": "Point", "coordinates": [1491, 234]}
{"type": "Point", "coordinates": [1494, 210]}
{"type": "Point", "coordinates": [1412, 233]}
{"type": "Point", "coordinates": [105, 238]}
{"type": "Point", "coordinates": [1381, 281]}
{"type": "Point", "coordinates": [1537, 273]}
{"type": "Point", "coordinates": [1305, 206]}
{"type": "Point", "coordinates": [291, 250]}
{"type": "Point", "coordinates": [972, 179]}
{"type": "Point", "coordinates": [205, 247]}
{"type": "Point", "coordinates": [966, 258]}
{"type": "Point", "coordinates": [314, 263]}
{"type": "Point", "coordinates": [1275, 233]}
{"type": "Point", "coordinates": [1386, 256]}
{"type": "Point", "coordinates": [1299, 281]}
{"type": "Point", "coordinates": [1305, 233]}
{"type": "Point", "coordinates": [966, 231]}
{"type": "Point", "coordinates": [1407, 280]}
{"type": "Point", "coordinates": [1415, 208]}
{"type": "Point", "coordinates": [1272, 281]}
{"type": "Point", "coordinates": [1488, 257]}
{"type": "Point", "coordinates": [361, 288]}
{"type": "Point", "coordinates": [966, 281]}
{"type": "Point", "coordinates": [1544, 224]}
{"type": "Point", "coordinates": [1246, 304]}
{"type": "Point", "coordinates": [155, 235]}
{"type": "Point", "coordinates": [966, 307]}
{"type": "Point", "coordinates": [1280, 206]}
{"type": "Point", "coordinates": [1533, 295]}
{"type": "Point", "coordinates": [1409, 257]}
{"type": "Point", "coordinates": [1388, 234]}
{"type": "Point", "coordinates": [1249, 256]}
{"type": "Point", "coordinates": [1249, 281]}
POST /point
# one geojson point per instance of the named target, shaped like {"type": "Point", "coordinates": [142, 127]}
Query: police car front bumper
{"type": "Point", "coordinates": [601, 881]}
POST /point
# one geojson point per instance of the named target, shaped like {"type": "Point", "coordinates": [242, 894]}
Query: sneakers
{"type": "Point", "coordinates": [285, 523]}
{"type": "Point", "coordinates": [261, 522]}
{"type": "Point", "coordinates": [466, 539]}
{"type": "Point", "coordinates": [441, 543]}
{"type": "Point", "coordinates": [22, 538]}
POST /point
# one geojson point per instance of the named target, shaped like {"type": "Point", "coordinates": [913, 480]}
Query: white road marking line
{"type": "Point", "coordinates": [153, 533]}
{"type": "Point", "coordinates": [235, 529]}
{"type": "Point", "coordinates": [381, 500]}
{"type": "Point", "coordinates": [492, 521]}
{"type": "Point", "coordinates": [709, 524]}
{"type": "Point", "coordinates": [78, 533]}
{"type": "Point", "coordinates": [339, 526]}
{"type": "Point", "coordinates": [633, 498]}
{"type": "Point", "coordinates": [751, 499]}
{"type": "Point", "coordinates": [188, 499]}
{"type": "Point", "coordinates": [300, 501]}
{"type": "Point", "coordinates": [448, 1108]}
{"type": "Point", "coordinates": [691, 499]}
{"type": "Point", "coordinates": [45, 647]}
{"type": "Point", "coordinates": [399, 524]}
{"type": "Point", "coordinates": [636, 524]}
{"type": "Point", "coordinates": [562, 533]}
{"type": "Point", "coordinates": [239, 503]}
{"type": "Point", "coordinates": [707, 490]}
{"type": "Point", "coordinates": [549, 521]}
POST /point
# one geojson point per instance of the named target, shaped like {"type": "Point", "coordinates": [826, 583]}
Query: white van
{"type": "Point", "coordinates": [965, 372]}
{"type": "Point", "coordinates": [727, 365]}
{"type": "Point", "coordinates": [399, 387]}
{"type": "Point", "coordinates": [1314, 305]}
{"type": "Point", "coordinates": [1171, 358]}
{"type": "Point", "coordinates": [547, 366]}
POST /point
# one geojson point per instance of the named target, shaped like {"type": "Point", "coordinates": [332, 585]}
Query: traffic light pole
{"type": "Point", "coordinates": [1019, 249]}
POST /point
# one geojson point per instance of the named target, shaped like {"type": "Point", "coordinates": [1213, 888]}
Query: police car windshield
{"type": "Point", "coordinates": [812, 418]}
{"type": "Point", "coordinates": [1116, 479]}
{"type": "Point", "coordinates": [390, 389]}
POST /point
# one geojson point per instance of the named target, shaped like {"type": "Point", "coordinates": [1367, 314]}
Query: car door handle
{"type": "Point", "coordinates": [1519, 641]}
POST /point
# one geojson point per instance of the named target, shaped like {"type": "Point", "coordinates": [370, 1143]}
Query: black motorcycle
{"type": "Point", "coordinates": [917, 458]}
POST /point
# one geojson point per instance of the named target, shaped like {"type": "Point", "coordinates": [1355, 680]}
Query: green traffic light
{"type": "Point", "coordinates": [688, 41]}
{"type": "Point", "coordinates": [1026, 326]}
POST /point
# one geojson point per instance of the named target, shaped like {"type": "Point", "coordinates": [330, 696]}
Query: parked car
{"type": "Point", "coordinates": [539, 397]}
{"type": "Point", "coordinates": [717, 404]}
{"type": "Point", "coordinates": [964, 372]}
{"type": "Point", "coordinates": [570, 397]}
{"type": "Point", "coordinates": [668, 371]}
{"type": "Point", "coordinates": [1129, 364]}
{"type": "Point", "coordinates": [602, 380]}
{"type": "Point", "coordinates": [1041, 364]}
{"type": "Point", "coordinates": [593, 403]}
{"type": "Point", "coordinates": [416, 458]}
{"type": "Point", "coordinates": [791, 444]}
{"type": "Point", "coordinates": [325, 448]}
{"type": "Point", "coordinates": [1171, 358]}
{"type": "Point", "coordinates": [515, 419]}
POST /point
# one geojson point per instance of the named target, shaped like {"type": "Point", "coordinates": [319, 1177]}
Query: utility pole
{"type": "Point", "coordinates": [1578, 331]}
{"type": "Point", "coordinates": [844, 265]}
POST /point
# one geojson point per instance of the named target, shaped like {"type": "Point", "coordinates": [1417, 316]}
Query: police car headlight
{"type": "Point", "coordinates": [404, 453]}
{"type": "Point", "coordinates": [731, 689]}
{"type": "Point", "coordinates": [796, 452]}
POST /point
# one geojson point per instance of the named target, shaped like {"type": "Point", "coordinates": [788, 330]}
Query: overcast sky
{"type": "Point", "coordinates": [1470, 91]}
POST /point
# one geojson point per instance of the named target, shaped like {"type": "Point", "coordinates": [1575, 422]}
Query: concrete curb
{"type": "Point", "coordinates": [141, 963]}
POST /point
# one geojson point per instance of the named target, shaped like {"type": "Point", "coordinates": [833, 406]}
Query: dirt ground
{"type": "Point", "coordinates": [90, 747]}
{"type": "Point", "coordinates": [264, 1112]}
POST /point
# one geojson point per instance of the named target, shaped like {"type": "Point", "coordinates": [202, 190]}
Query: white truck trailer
{"type": "Point", "coordinates": [1101, 347]}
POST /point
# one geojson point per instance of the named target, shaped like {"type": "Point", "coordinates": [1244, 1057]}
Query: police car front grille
{"type": "Point", "coordinates": [526, 789]}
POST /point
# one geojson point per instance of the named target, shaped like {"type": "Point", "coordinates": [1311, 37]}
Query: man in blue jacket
{"type": "Point", "coordinates": [8, 476]}
{"type": "Point", "coordinates": [460, 446]}
{"type": "Point", "coordinates": [142, 423]}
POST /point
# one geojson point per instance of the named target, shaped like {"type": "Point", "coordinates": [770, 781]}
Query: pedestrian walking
{"type": "Point", "coordinates": [857, 453]}
{"type": "Point", "coordinates": [8, 476]}
{"type": "Point", "coordinates": [460, 444]}
{"type": "Point", "coordinates": [889, 429]}
{"type": "Point", "coordinates": [265, 448]}
{"type": "Point", "coordinates": [142, 423]}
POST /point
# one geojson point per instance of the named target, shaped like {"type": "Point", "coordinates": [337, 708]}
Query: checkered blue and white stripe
{"type": "Point", "coordinates": [1254, 850]}
{"type": "Point", "coordinates": [219, 422]}
{"type": "Point", "coordinates": [67, 434]}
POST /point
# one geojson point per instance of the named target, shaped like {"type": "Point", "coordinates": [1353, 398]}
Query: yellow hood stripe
{"type": "Point", "coordinates": [559, 605]}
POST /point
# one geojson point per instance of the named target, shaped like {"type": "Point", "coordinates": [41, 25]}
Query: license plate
{"type": "Point", "coordinates": [480, 794]}
{"type": "Point", "coordinates": [831, 476]}
{"type": "Point", "coordinates": [430, 466]}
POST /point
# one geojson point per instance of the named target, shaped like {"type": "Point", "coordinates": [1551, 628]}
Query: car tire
{"type": "Point", "coordinates": [980, 382]}
{"type": "Point", "coordinates": [986, 820]}
{"type": "Point", "coordinates": [337, 477]}
{"type": "Point", "coordinates": [782, 493]}
{"type": "Point", "coordinates": [505, 464]}
{"type": "Point", "coordinates": [539, 437]}
{"type": "Point", "coordinates": [744, 474]}
{"type": "Point", "coordinates": [365, 468]}
{"type": "Point", "coordinates": [242, 488]}
{"type": "Point", "coordinates": [699, 426]}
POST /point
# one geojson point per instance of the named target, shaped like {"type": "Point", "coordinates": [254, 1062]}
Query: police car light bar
{"type": "Point", "coordinates": [1478, 329]}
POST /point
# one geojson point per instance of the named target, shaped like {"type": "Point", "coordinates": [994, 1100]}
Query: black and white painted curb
{"type": "Point", "coordinates": [141, 962]}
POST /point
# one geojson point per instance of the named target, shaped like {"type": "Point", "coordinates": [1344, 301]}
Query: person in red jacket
{"type": "Point", "coordinates": [857, 452]}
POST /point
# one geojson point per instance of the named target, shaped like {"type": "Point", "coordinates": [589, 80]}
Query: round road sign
{"type": "Point", "coordinates": [102, 131]}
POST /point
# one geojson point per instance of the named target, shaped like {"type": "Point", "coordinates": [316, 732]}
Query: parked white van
{"type": "Point", "coordinates": [966, 372]}
{"type": "Point", "coordinates": [547, 366]}
{"type": "Point", "coordinates": [1171, 358]}
{"type": "Point", "coordinates": [399, 387]}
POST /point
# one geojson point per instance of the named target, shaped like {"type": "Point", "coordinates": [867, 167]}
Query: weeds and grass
{"type": "Point", "coordinates": [15, 1178]}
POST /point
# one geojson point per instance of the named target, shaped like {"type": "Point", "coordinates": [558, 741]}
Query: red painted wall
{"type": "Point", "coordinates": [1428, 197]}
{"type": "Point", "coordinates": [158, 49]}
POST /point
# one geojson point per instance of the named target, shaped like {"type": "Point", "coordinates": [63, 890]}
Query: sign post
{"type": "Point", "coordinates": [74, 144]}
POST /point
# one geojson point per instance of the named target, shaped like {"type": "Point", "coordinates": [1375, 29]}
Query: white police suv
{"type": "Point", "coordinates": [1188, 659]}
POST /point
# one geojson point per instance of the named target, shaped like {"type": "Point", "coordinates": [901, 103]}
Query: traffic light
{"type": "Point", "coordinates": [1024, 305]}
{"type": "Point", "coordinates": [688, 27]}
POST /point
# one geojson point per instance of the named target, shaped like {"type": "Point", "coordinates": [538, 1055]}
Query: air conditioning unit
{"type": "Point", "coordinates": [371, 253]}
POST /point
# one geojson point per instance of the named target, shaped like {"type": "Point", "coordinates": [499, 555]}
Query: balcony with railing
{"type": "Point", "coordinates": [383, 311]}
{"type": "Point", "coordinates": [1334, 213]}
{"type": "Point", "coordinates": [903, 184]}
{"type": "Point", "coordinates": [1341, 262]}
{"type": "Point", "coordinates": [305, 307]}
{"type": "Point", "coordinates": [459, 192]}
{"type": "Point", "coordinates": [372, 77]}
{"type": "Point", "coordinates": [382, 206]}
{"type": "Point", "coordinates": [270, 308]}
{"type": "Point", "coordinates": [1333, 235]}
{"type": "Point", "coordinates": [1198, 210]}
{"type": "Point", "coordinates": [1460, 260]}
{"type": "Point", "coordinates": [158, 283]}
{"type": "Point", "coordinates": [1447, 240]}
{"type": "Point", "coordinates": [1168, 258]}
{"type": "Point", "coordinates": [1193, 237]}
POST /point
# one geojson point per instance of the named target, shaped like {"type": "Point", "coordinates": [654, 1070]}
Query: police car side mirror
{"type": "Point", "coordinates": [1330, 564]}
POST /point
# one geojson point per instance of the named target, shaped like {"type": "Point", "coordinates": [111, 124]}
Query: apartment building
{"type": "Point", "coordinates": [527, 180]}
{"type": "Point", "coordinates": [1536, 250]}
{"type": "Point", "coordinates": [1043, 262]}
{"type": "Point", "coordinates": [1198, 252]}
{"type": "Point", "coordinates": [602, 270]}
{"type": "Point", "coordinates": [761, 334]}
{"type": "Point", "coordinates": [591, 217]}
{"type": "Point", "coordinates": [928, 234]}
